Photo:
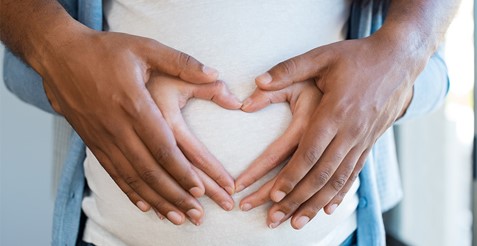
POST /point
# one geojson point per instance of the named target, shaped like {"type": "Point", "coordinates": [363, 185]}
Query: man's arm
{"type": "Point", "coordinates": [97, 80]}
{"type": "Point", "coordinates": [367, 84]}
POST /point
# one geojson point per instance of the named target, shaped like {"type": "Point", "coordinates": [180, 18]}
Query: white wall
{"type": "Point", "coordinates": [26, 157]}
{"type": "Point", "coordinates": [435, 169]}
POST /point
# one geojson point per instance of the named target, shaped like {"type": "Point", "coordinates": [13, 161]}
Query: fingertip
{"type": "Point", "coordinates": [330, 209]}
{"type": "Point", "coordinates": [227, 205]}
{"type": "Point", "coordinates": [143, 206]}
{"type": "Point", "coordinates": [230, 190]}
{"type": "Point", "coordinates": [300, 222]}
{"type": "Point", "coordinates": [197, 192]}
{"type": "Point", "coordinates": [264, 79]}
{"type": "Point", "coordinates": [239, 188]}
{"type": "Point", "coordinates": [246, 105]}
{"type": "Point", "coordinates": [212, 73]}
{"type": "Point", "coordinates": [175, 217]}
{"type": "Point", "coordinates": [277, 196]}
{"type": "Point", "coordinates": [246, 206]}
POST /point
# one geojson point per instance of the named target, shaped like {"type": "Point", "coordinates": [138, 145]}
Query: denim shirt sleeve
{"type": "Point", "coordinates": [25, 82]}
{"type": "Point", "coordinates": [430, 88]}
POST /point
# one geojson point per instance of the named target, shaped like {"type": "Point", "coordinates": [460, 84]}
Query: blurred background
{"type": "Point", "coordinates": [435, 155]}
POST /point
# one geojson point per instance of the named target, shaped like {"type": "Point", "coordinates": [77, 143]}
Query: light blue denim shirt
{"type": "Point", "coordinates": [380, 187]}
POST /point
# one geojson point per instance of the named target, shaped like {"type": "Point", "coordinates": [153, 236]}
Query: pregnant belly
{"type": "Point", "coordinates": [241, 39]}
{"type": "Point", "coordinates": [236, 139]}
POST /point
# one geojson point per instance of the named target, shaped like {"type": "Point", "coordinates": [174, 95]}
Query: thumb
{"type": "Point", "coordinates": [218, 93]}
{"type": "Point", "coordinates": [296, 69]}
{"type": "Point", "coordinates": [179, 64]}
{"type": "Point", "coordinates": [261, 99]}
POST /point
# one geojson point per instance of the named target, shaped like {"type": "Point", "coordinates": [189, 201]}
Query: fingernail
{"type": "Point", "coordinates": [209, 70]}
{"type": "Point", "coordinates": [277, 216]}
{"type": "Point", "coordinates": [265, 78]}
{"type": "Point", "coordinates": [196, 192]}
{"type": "Point", "coordinates": [194, 213]}
{"type": "Point", "coordinates": [142, 206]}
{"type": "Point", "coordinates": [332, 208]}
{"type": "Point", "coordinates": [227, 205]}
{"type": "Point", "coordinates": [230, 190]}
{"type": "Point", "coordinates": [247, 103]}
{"type": "Point", "coordinates": [302, 221]}
{"type": "Point", "coordinates": [246, 207]}
{"type": "Point", "coordinates": [272, 225]}
{"type": "Point", "coordinates": [174, 217]}
{"type": "Point", "coordinates": [161, 217]}
{"type": "Point", "coordinates": [277, 196]}
{"type": "Point", "coordinates": [239, 188]}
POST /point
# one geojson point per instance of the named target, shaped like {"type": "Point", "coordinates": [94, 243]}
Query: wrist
{"type": "Point", "coordinates": [51, 44]}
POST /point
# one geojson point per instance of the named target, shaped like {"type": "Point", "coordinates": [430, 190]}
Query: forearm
{"type": "Point", "coordinates": [33, 28]}
{"type": "Point", "coordinates": [417, 27]}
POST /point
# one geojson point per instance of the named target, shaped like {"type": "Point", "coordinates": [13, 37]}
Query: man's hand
{"type": "Point", "coordinates": [98, 83]}
{"type": "Point", "coordinates": [171, 95]}
{"type": "Point", "coordinates": [361, 99]}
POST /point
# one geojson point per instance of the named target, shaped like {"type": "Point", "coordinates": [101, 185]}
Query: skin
{"type": "Point", "coordinates": [367, 84]}
{"type": "Point", "coordinates": [94, 77]}
{"type": "Point", "coordinates": [99, 82]}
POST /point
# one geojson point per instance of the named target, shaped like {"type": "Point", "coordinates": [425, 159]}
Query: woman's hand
{"type": "Point", "coordinates": [97, 80]}
{"type": "Point", "coordinates": [367, 84]}
{"type": "Point", "coordinates": [303, 99]}
{"type": "Point", "coordinates": [171, 95]}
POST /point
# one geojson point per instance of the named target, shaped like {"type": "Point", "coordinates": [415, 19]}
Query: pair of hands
{"type": "Point", "coordinates": [123, 96]}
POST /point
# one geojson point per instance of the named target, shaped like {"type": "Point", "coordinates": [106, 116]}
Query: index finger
{"type": "Point", "coordinates": [320, 133]}
{"type": "Point", "coordinates": [157, 137]}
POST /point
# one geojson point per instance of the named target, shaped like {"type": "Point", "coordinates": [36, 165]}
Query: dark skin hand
{"type": "Point", "coordinates": [367, 84]}
{"type": "Point", "coordinates": [97, 80]}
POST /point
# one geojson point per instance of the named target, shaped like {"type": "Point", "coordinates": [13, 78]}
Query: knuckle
{"type": "Point", "coordinates": [159, 204]}
{"type": "Point", "coordinates": [132, 182]}
{"type": "Point", "coordinates": [335, 158]}
{"type": "Point", "coordinates": [183, 59]}
{"type": "Point", "coordinates": [288, 66]}
{"type": "Point", "coordinates": [220, 178]}
{"type": "Point", "coordinates": [272, 160]}
{"type": "Point", "coordinates": [214, 194]}
{"type": "Point", "coordinates": [320, 178]}
{"type": "Point", "coordinates": [150, 176]}
{"type": "Point", "coordinates": [199, 160]}
{"type": "Point", "coordinates": [311, 155]}
{"type": "Point", "coordinates": [219, 85]}
{"type": "Point", "coordinates": [162, 155]}
{"type": "Point", "coordinates": [339, 182]}
{"type": "Point", "coordinates": [290, 206]}
{"type": "Point", "coordinates": [286, 184]}
{"type": "Point", "coordinates": [181, 202]}
{"type": "Point", "coordinates": [357, 130]}
{"type": "Point", "coordinates": [186, 176]}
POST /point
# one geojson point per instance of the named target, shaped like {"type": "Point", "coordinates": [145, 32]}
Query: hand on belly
{"type": "Point", "coordinates": [196, 131]}
{"type": "Point", "coordinates": [237, 138]}
{"type": "Point", "coordinates": [170, 95]}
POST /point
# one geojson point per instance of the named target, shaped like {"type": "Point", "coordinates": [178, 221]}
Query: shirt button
{"type": "Point", "coordinates": [363, 202]}
{"type": "Point", "coordinates": [72, 195]}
